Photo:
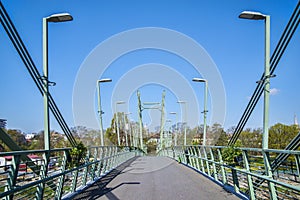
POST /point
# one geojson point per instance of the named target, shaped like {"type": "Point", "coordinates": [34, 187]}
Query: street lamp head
{"type": "Point", "coordinates": [60, 17]}
{"type": "Point", "coordinates": [181, 101]}
{"type": "Point", "coordinates": [105, 80]}
{"type": "Point", "coordinates": [199, 80]}
{"type": "Point", "coordinates": [173, 113]}
{"type": "Point", "coordinates": [252, 15]}
{"type": "Point", "coordinates": [151, 103]}
{"type": "Point", "coordinates": [120, 102]}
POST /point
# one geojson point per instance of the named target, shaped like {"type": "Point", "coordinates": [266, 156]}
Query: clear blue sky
{"type": "Point", "coordinates": [236, 47]}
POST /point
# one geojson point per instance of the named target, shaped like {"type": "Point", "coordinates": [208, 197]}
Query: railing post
{"type": "Point", "coordinates": [297, 159]}
{"type": "Point", "coordinates": [186, 155]}
{"type": "Point", "coordinates": [268, 170]}
{"type": "Point", "coordinates": [105, 161]}
{"type": "Point", "coordinates": [235, 180]}
{"type": "Point", "coordinates": [224, 178]}
{"type": "Point", "coordinates": [99, 158]}
{"type": "Point", "coordinates": [86, 168]}
{"type": "Point", "coordinates": [114, 157]}
{"type": "Point", "coordinates": [201, 159]}
{"type": "Point", "coordinates": [206, 161]}
{"type": "Point", "coordinates": [93, 168]}
{"type": "Point", "coordinates": [213, 163]}
{"type": "Point", "coordinates": [249, 178]}
{"type": "Point", "coordinates": [42, 175]}
{"type": "Point", "coordinates": [176, 153]}
{"type": "Point", "coordinates": [197, 157]}
{"type": "Point", "coordinates": [13, 174]}
{"type": "Point", "coordinates": [109, 159]}
{"type": "Point", "coordinates": [59, 189]}
{"type": "Point", "coordinates": [183, 160]}
{"type": "Point", "coordinates": [74, 181]}
{"type": "Point", "coordinates": [191, 157]}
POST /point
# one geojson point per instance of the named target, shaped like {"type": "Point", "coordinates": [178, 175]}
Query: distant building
{"type": "Point", "coordinates": [296, 120]}
{"type": "Point", "coordinates": [155, 138]}
{"type": "Point", "coordinates": [197, 139]}
{"type": "Point", "coordinates": [29, 136]}
{"type": "Point", "coordinates": [3, 123]}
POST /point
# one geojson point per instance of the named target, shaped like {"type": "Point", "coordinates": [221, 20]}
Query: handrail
{"type": "Point", "coordinates": [62, 179]}
{"type": "Point", "coordinates": [239, 173]}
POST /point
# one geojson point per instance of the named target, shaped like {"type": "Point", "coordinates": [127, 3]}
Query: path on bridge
{"type": "Point", "coordinates": [154, 178]}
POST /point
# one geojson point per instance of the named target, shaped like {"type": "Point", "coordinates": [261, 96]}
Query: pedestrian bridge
{"type": "Point", "coordinates": [154, 178]}
{"type": "Point", "coordinates": [177, 172]}
{"type": "Point", "coordinates": [181, 172]}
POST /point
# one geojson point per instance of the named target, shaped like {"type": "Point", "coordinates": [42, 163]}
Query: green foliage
{"type": "Point", "coordinates": [77, 154]}
{"type": "Point", "coordinates": [230, 155]}
{"type": "Point", "coordinates": [223, 139]}
{"type": "Point", "coordinates": [151, 147]}
{"type": "Point", "coordinates": [18, 137]}
{"type": "Point", "coordinates": [89, 137]}
{"type": "Point", "coordinates": [280, 135]}
{"type": "Point", "coordinates": [251, 138]}
{"type": "Point", "coordinates": [111, 135]}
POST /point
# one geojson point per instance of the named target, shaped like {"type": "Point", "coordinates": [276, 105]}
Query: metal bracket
{"type": "Point", "coordinates": [269, 76]}
{"type": "Point", "coordinates": [50, 83]}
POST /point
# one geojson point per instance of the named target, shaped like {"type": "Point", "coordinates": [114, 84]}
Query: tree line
{"type": "Point", "coordinates": [280, 135]}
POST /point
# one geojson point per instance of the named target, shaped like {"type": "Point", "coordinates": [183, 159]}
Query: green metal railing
{"type": "Point", "coordinates": [58, 177]}
{"type": "Point", "coordinates": [244, 171]}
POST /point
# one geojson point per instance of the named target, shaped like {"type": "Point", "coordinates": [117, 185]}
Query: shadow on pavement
{"type": "Point", "coordinates": [98, 189]}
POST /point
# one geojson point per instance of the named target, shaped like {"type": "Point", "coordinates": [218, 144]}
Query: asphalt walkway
{"type": "Point", "coordinates": [154, 178]}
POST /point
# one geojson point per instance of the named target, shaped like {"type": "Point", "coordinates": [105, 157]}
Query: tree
{"type": "Point", "coordinates": [222, 140]}
{"type": "Point", "coordinates": [111, 133]}
{"type": "Point", "coordinates": [251, 138]}
{"type": "Point", "coordinates": [280, 135]}
{"type": "Point", "coordinates": [18, 137]}
{"type": "Point", "coordinates": [214, 132]}
{"type": "Point", "coordinates": [89, 137]}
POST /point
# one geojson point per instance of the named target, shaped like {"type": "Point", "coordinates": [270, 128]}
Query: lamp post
{"type": "Point", "coordinates": [128, 128]}
{"type": "Point", "coordinates": [266, 79]}
{"type": "Point", "coordinates": [205, 107]}
{"type": "Point", "coordinates": [62, 17]}
{"type": "Point", "coordinates": [100, 112]}
{"type": "Point", "coordinates": [176, 129]}
{"type": "Point", "coordinates": [185, 116]}
{"type": "Point", "coordinates": [117, 118]}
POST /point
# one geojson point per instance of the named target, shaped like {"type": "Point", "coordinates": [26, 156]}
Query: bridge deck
{"type": "Point", "coordinates": [154, 178]}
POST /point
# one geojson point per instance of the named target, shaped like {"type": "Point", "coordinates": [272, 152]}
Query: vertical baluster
{"type": "Point", "coordinates": [86, 168]}
{"type": "Point", "coordinates": [13, 174]}
{"type": "Point", "coordinates": [43, 173]}
{"type": "Point", "coordinates": [224, 177]}
{"type": "Point", "coordinates": [59, 189]}
{"type": "Point", "coordinates": [235, 180]}
{"type": "Point", "coordinates": [201, 159]}
{"type": "Point", "coordinates": [105, 154]}
{"type": "Point", "coordinates": [297, 159]}
{"type": "Point", "coordinates": [100, 164]}
{"type": "Point", "coordinates": [93, 168]}
{"type": "Point", "coordinates": [196, 153]}
{"type": "Point", "coordinates": [249, 178]}
{"type": "Point", "coordinates": [213, 163]}
{"type": "Point", "coordinates": [206, 161]}
{"type": "Point", "coordinates": [268, 170]}
{"type": "Point", "coordinates": [74, 181]}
